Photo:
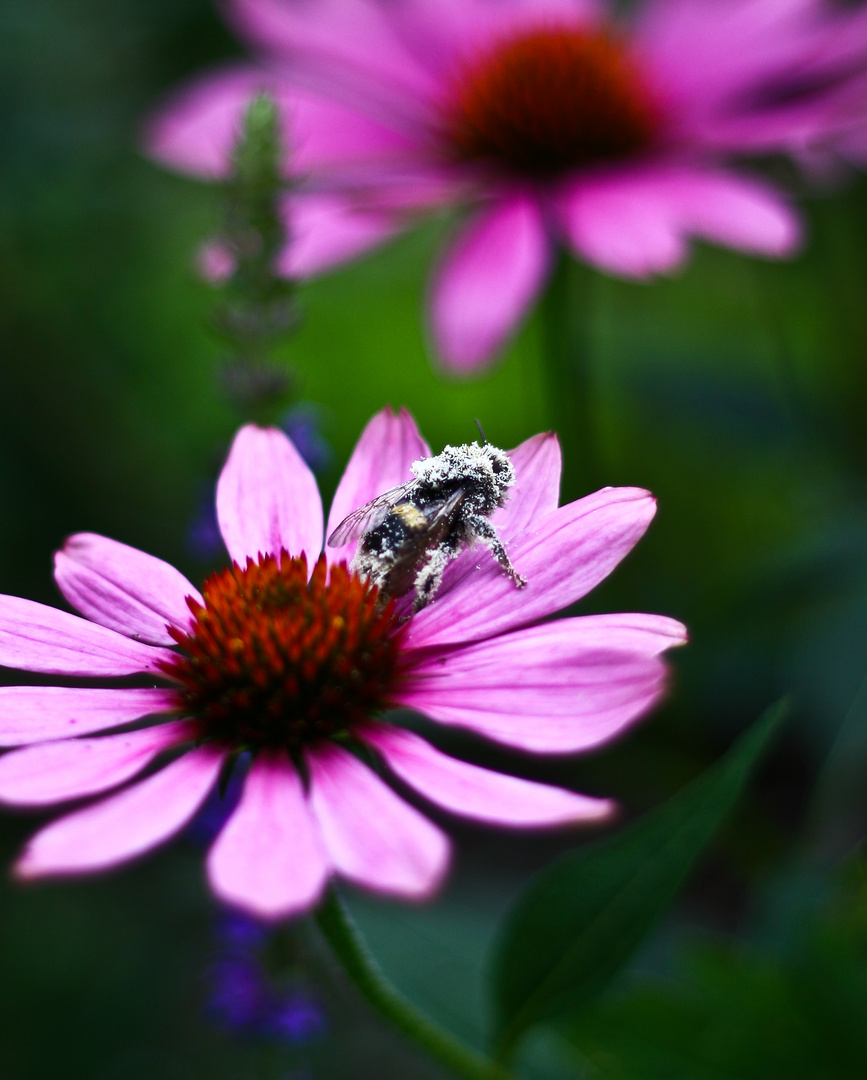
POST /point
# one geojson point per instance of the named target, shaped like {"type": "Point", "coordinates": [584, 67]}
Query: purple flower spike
{"type": "Point", "coordinates": [303, 424]}
{"type": "Point", "coordinates": [240, 932]}
{"type": "Point", "coordinates": [242, 1000]}
{"type": "Point", "coordinates": [238, 998]}
{"type": "Point", "coordinates": [296, 1017]}
{"type": "Point", "coordinates": [219, 805]}
{"type": "Point", "coordinates": [204, 541]}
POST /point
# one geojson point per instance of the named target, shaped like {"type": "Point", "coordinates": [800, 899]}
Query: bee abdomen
{"type": "Point", "coordinates": [411, 516]}
{"type": "Point", "coordinates": [403, 522]}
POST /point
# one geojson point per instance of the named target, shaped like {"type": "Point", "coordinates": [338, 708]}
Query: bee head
{"type": "Point", "coordinates": [502, 471]}
{"type": "Point", "coordinates": [486, 470]}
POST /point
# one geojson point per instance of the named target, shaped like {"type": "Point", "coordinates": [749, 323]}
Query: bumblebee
{"type": "Point", "coordinates": [407, 536]}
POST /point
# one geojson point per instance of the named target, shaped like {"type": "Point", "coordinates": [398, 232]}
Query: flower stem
{"type": "Point", "coordinates": [565, 345]}
{"type": "Point", "coordinates": [349, 947]}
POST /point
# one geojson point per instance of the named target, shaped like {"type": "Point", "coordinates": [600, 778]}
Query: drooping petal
{"type": "Point", "coordinates": [345, 44]}
{"type": "Point", "coordinates": [33, 714]}
{"type": "Point", "coordinates": [536, 491]}
{"type": "Point", "coordinates": [557, 688]}
{"type": "Point", "coordinates": [563, 557]}
{"type": "Point", "coordinates": [269, 859]}
{"type": "Point", "coordinates": [35, 637]}
{"type": "Point", "coordinates": [479, 793]}
{"type": "Point", "coordinates": [487, 281]}
{"type": "Point", "coordinates": [326, 230]}
{"type": "Point", "coordinates": [53, 771]}
{"type": "Point", "coordinates": [637, 222]}
{"type": "Point", "coordinates": [735, 211]}
{"type": "Point", "coordinates": [125, 825]}
{"type": "Point", "coordinates": [122, 588]}
{"type": "Point", "coordinates": [373, 837]}
{"type": "Point", "coordinates": [381, 460]}
{"type": "Point", "coordinates": [621, 225]}
{"type": "Point", "coordinates": [703, 56]}
{"type": "Point", "coordinates": [267, 498]}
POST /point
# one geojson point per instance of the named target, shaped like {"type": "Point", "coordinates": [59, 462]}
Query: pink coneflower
{"type": "Point", "coordinates": [288, 657]}
{"type": "Point", "coordinates": [557, 123]}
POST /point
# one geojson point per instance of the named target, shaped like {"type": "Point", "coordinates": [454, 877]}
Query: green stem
{"type": "Point", "coordinates": [349, 947]}
{"type": "Point", "coordinates": [571, 389]}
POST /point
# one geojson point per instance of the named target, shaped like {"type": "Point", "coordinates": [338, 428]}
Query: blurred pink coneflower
{"type": "Point", "coordinates": [554, 121]}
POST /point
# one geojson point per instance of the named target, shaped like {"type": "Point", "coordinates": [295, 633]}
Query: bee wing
{"type": "Point", "coordinates": [439, 513]}
{"type": "Point", "coordinates": [367, 517]}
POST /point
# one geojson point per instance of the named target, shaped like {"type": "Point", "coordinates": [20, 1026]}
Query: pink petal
{"type": "Point", "coordinates": [54, 771]}
{"type": "Point", "coordinates": [635, 632]}
{"type": "Point", "coordinates": [381, 460]}
{"type": "Point", "coordinates": [34, 637]}
{"type": "Point", "coordinates": [703, 55]}
{"type": "Point", "coordinates": [344, 44]}
{"type": "Point", "coordinates": [32, 714]}
{"type": "Point", "coordinates": [340, 139]}
{"type": "Point", "coordinates": [536, 492]}
{"type": "Point", "coordinates": [734, 211]}
{"type": "Point", "coordinates": [636, 223]}
{"type": "Point", "coordinates": [267, 498]}
{"type": "Point", "coordinates": [486, 282]}
{"type": "Point", "coordinates": [269, 859]}
{"type": "Point", "coordinates": [215, 262]}
{"type": "Point", "coordinates": [479, 793]}
{"type": "Point", "coordinates": [372, 836]}
{"type": "Point", "coordinates": [446, 33]}
{"type": "Point", "coordinates": [120, 827]}
{"type": "Point", "coordinates": [122, 588]}
{"type": "Point", "coordinates": [753, 76]}
{"type": "Point", "coordinates": [854, 146]}
{"type": "Point", "coordinates": [557, 688]}
{"type": "Point", "coordinates": [620, 224]}
{"type": "Point", "coordinates": [325, 230]}
{"type": "Point", "coordinates": [566, 555]}
{"type": "Point", "coordinates": [196, 130]}
{"type": "Point", "coordinates": [844, 40]}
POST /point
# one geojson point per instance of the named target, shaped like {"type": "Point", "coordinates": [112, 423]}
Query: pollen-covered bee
{"type": "Point", "coordinates": [409, 534]}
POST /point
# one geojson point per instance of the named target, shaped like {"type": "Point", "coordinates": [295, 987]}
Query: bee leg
{"type": "Point", "coordinates": [485, 531]}
{"type": "Point", "coordinates": [429, 578]}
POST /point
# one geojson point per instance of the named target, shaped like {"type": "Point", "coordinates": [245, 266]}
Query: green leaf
{"type": "Point", "coordinates": [744, 1012]}
{"type": "Point", "coordinates": [581, 919]}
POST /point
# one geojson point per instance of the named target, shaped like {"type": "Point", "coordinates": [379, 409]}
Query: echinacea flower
{"type": "Point", "coordinates": [557, 123]}
{"type": "Point", "coordinates": [288, 657]}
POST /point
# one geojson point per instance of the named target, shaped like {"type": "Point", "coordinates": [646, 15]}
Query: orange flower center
{"type": "Point", "coordinates": [548, 100]}
{"type": "Point", "coordinates": [273, 660]}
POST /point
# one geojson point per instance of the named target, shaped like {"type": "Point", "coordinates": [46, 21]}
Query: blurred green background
{"type": "Point", "coordinates": [736, 392]}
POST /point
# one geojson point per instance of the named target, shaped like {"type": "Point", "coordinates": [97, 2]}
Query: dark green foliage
{"type": "Point", "coordinates": [582, 918]}
{"type": "Point", "coordinates": [745, 1013]}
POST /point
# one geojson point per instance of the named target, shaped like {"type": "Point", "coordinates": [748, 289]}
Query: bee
{"type": "Point", "coordinates": [409, 535]}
